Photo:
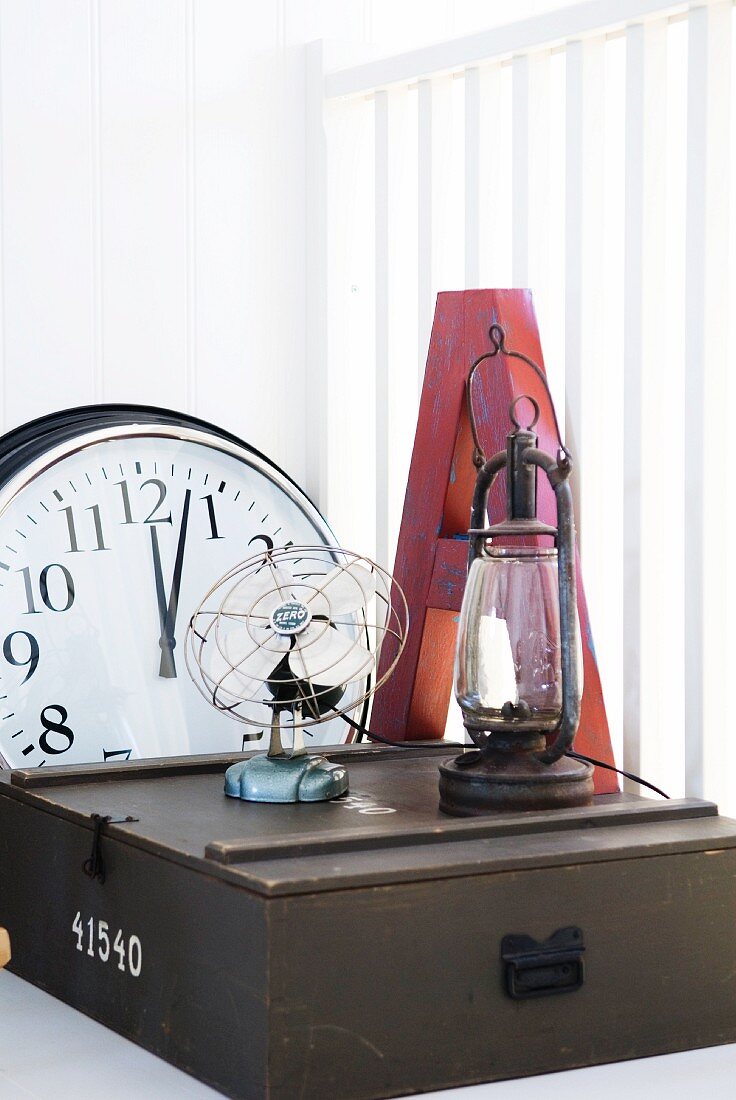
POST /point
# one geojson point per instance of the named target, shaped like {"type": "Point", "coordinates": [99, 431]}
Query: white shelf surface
{"type": "Point", "coordinates": [49, 1051]}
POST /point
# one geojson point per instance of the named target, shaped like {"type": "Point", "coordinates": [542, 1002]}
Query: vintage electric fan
{"type": "Point", "coordinates": [296, 631]}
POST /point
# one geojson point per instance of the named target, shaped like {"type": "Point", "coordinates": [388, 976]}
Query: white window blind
{"type": "Point", "coordinates": [587, 154]}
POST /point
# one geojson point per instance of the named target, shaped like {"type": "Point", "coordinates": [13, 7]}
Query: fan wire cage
{"type": "Point", "coordinates": [305, 629]}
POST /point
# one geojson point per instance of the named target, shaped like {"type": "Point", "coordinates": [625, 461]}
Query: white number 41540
{"type": "Point", "coordinates": [99, 944]}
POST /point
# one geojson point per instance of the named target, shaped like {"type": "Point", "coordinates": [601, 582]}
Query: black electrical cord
{"type": "Point", "coordinates": [611, 768]}
{"type": "Point", "coordinates": [363, 732]}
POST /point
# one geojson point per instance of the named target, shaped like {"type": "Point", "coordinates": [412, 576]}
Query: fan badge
{"type": "Point", "coordinates": [291, 617]}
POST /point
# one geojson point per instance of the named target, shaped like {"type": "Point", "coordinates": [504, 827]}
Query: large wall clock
{"type": "Point", "coordinates": [114, 522]}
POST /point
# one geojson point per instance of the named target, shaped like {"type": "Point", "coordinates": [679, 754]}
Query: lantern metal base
{"type": "Point", "coordinates": [501, 779]}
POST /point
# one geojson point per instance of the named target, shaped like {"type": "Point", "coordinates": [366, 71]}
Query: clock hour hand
{"type": "Point", "coordinates": [167, 612]}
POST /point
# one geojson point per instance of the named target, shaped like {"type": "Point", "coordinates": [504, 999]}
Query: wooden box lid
{"type": "Point", "coordinates": [388, 829]}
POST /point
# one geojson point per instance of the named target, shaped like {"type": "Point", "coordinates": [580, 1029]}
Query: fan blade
{"type": "Point", "coordinates": [259, 595]}
{"type": "Point", "coordinates": [328, 658]}
{"type": "Point", "coordinates": [343, 591]}
{"type": "Point", "coordinates": [238, 666]}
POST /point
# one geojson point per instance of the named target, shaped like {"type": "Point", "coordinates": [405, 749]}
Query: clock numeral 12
{"type": "Point", "coordinates": [151, 517]}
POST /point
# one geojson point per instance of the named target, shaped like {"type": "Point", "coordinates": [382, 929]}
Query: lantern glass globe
{"type": "Point", "coordinates": [508, 667]}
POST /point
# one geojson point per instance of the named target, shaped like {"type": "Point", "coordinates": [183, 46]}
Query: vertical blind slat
{"type": "Point", "coordinates": [539, 196]}
{"type": "Point", "coordinates": [643, 299]}
{"type": "Point", "coordinates": [584, 183]}
{"type": "Point", "coordinates": [632, 366]}
{"type": "Point", "coordinates": [424, 220]}
{"type": "Point", "coordinates": [399, 402]}
{"type": "Point", "coordinates": [653, 664]}
{"type": "Point", "coordinates": [575, 141]}
{"type": "Point", "coordinates": [317, 394]}
{"type": "Point", "coordinates": [473, 139]}
{"type": "Point", "coordinates": [706, 320]}
{"type": "Point", "coordinates": [520, 171]}
{"type": "Point", "coordinates": [719, 758]}
{"type": "Point", "coordinates": [495, 188]}
{"type": "Point", "coordinates": [381, 122]}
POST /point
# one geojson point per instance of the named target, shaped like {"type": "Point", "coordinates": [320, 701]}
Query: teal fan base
{"type": "Point", "coordinates": [300, 778]}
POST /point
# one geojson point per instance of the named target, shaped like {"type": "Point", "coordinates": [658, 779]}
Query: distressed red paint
{"type": "Point", "coordinates": [431, 560]}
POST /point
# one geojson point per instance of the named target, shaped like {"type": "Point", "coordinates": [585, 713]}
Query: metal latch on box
{"type": "Point", "coordinates": [94, 867]}
{"type": "Point", "coordinates": [533, 969]}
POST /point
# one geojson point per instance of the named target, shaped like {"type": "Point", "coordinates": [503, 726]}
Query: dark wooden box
{"type": "Point", "coordinates": [353, 949]}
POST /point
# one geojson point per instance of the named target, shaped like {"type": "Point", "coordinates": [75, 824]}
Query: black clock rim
{"type": "Point", "coordinates": [22, 445]}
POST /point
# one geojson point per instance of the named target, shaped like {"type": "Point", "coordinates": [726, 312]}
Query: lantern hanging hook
{"type": "Point", "coordinates": [497, 337]}
{"type": "Point", "coordinates": [512, 411]}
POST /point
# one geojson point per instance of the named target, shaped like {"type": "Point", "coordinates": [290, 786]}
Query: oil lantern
{"type": "Point", "coordinates": [517, 664]}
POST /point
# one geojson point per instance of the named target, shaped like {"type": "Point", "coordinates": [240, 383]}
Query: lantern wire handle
{"type": "Point", "coordinates": [498, 340]}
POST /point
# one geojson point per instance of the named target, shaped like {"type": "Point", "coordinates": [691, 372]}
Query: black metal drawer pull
{"type": "Point", "coordinates": [534, 969]}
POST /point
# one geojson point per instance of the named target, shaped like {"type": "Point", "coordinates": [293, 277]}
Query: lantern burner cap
{"type": "Point", "coordinates": [522, 528]}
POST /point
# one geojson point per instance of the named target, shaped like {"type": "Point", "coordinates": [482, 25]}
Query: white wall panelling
{"type": "Point", "coordinates": [152, 207]}
{"type": "Point", "coordinates": [48, 339]}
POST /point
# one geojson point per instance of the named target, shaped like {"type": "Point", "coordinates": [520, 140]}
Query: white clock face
{"type": "Point", "coordinates": [106, 548]}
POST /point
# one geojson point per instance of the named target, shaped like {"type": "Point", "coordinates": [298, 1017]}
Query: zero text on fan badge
{"type": "Point", "coordinates": [290, 617]}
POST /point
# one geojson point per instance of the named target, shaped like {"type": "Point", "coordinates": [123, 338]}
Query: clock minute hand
{"type": "Point", "coordinates": [160, 596]}
{"type": "Point", "coordinates": [167, 614]}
